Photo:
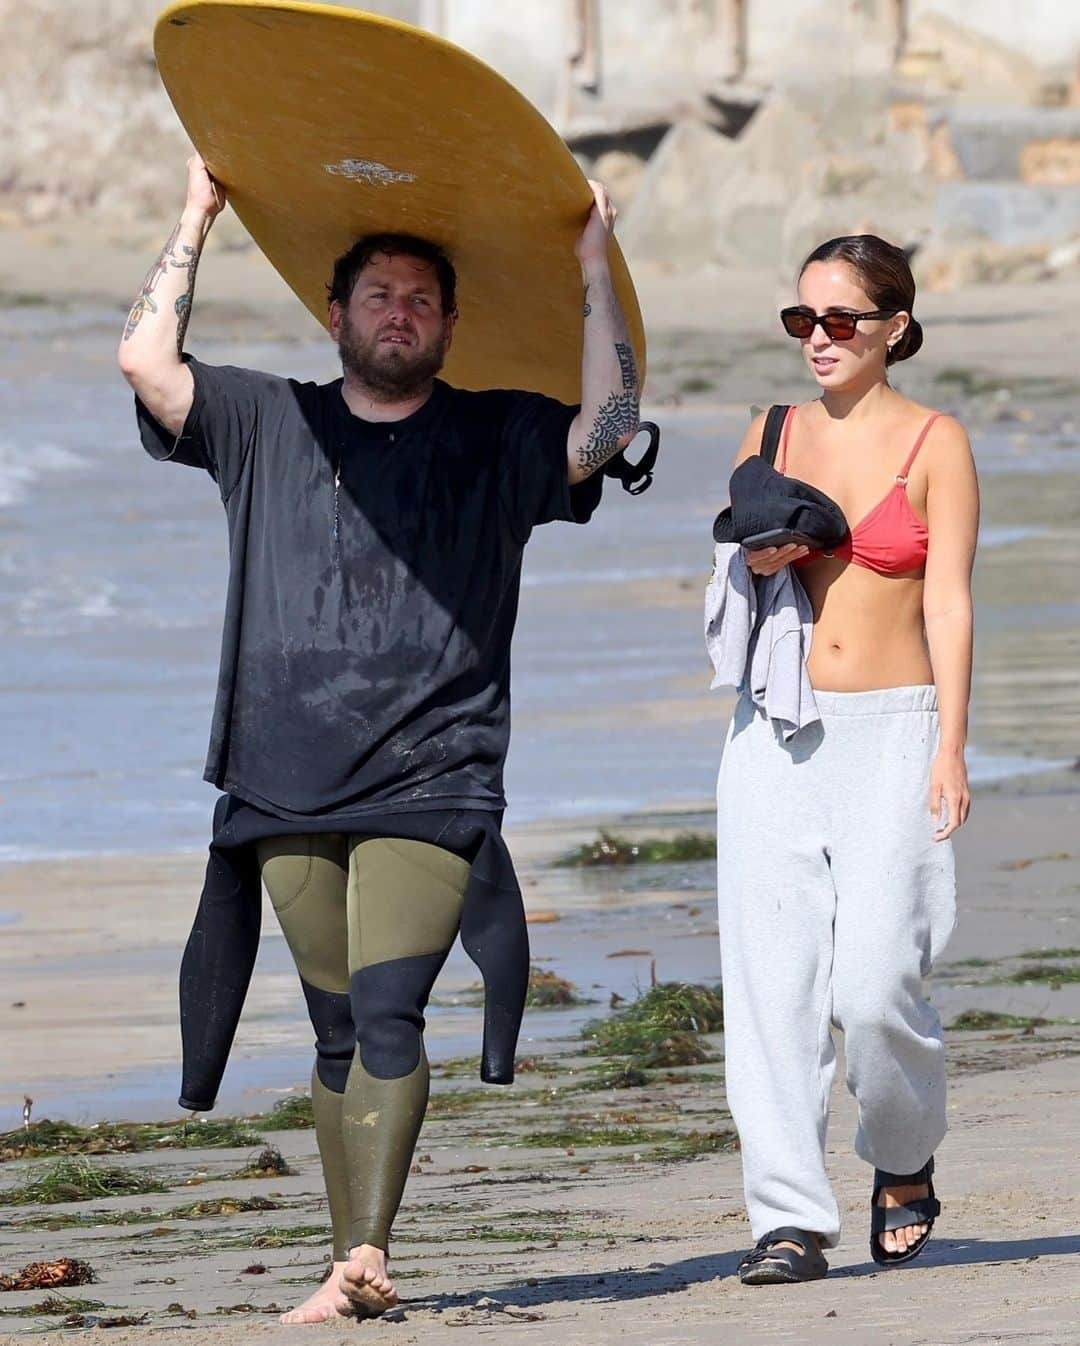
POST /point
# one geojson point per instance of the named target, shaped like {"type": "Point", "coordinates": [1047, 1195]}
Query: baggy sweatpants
{"type": "Point", "coordinates": [834, 902]}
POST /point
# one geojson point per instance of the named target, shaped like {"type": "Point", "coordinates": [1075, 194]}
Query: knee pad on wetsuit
{"type": "Point", "coordinates": [388, 1002]}
{"type": "Point", "coordinates": [335, 1036]}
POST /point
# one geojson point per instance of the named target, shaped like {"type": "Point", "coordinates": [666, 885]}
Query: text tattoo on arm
{"type": "Point", "coordinates": [627, 364]}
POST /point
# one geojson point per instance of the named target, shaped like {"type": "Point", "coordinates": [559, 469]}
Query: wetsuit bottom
{"type": "Point", "coordinates": [369, 922]}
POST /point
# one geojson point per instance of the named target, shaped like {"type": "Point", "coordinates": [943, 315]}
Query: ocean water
{"type": "Point", "coordinates": [112, 571]}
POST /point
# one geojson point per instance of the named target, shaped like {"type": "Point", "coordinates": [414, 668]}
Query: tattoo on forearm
{"type": "Point", "coordinates": [627, 364]}
{"type": "Point", "coordinates": [187, 259]}
{"type": "Point", "coordinates": [618, 416]}
{"type": "Point", "coordinates": [183, 314]}
{"type": "Point", "coordinates": [183, 304]}
{"type": "Point", "coordinates": [585, 298]}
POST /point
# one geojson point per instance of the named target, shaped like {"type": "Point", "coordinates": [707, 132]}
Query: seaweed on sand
{"type": "Point", "coordinates": [662, 1028]}
{"type": "Point", "coordinates": [61, 1271]}
{"type": "Point", "coordinates": [610, 849]}
{"type": "Point", "coordinates": [976, 1020]}
{"type": "Point", "coordinates": [79, 1179]}
{"type": "Point", "coordinates": [45, 1138]}
{"type": "Point", "coordinates": [268, 1163]}
{"type": "Point", "coordinates": [548, 990]}
{"type": "Point", "coordinates": [288, 1114]}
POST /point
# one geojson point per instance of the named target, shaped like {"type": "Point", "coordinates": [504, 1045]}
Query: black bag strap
{"type": "Point", "coordinates": [770, 436]}
{"type": "Point", "coordinates": [636, 477]}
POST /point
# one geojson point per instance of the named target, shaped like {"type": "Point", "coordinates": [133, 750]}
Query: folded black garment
{"type": "Point", "coordinates": [763, 499]}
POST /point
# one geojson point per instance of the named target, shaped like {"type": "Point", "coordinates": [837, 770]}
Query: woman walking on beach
{"type": "Point", "coordinates": [836, 887]}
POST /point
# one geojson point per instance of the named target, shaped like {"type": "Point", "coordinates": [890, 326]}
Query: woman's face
{"type": "Point", "coordinates": [838, 365]}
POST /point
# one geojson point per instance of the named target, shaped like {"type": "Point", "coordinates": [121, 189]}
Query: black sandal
{"type": "Point", "coordinates": [886, 1219]}
{"type": "Point", "coordinates": [767, 1264]}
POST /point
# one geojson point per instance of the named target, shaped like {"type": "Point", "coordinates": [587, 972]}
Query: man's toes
{"type": "Point", "coordinates": [321, 1314]}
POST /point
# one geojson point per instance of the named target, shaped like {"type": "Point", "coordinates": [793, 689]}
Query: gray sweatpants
{"type": "Point", "coordinates": [834, 902]}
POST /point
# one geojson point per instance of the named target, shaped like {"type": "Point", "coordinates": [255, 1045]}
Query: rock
{"type": "Point", "coordinates": [1040, 146]}
{"type": "Point", "coordinates": [843, 195]}
{"type": "Point", "coordinates": [621, 173]}
{"type": "Point", "coordinates": [94, 130]}
{"type": "Point", "coordinates": [677, 208]}
{"type": "Point", "coordinates": [1011, 214]}
{"type": "Point", "coordinates": [1052, 163]}
{"type": "Point", "coordinates": [781, 139]}
{"type": "Point", "coordinates": [943, 57]}
{"type": "Point", "coordinates": [943, 268]}
{"type": "Point", "coordinates": [1064, 258]}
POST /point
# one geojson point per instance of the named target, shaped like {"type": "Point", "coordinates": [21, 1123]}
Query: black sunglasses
{"type": "Point", "coordinates": [800, 322]}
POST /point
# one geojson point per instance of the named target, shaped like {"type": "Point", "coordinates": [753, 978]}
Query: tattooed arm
{"type": "Point", "coordinates": [153, 339]}
{"type": "Point", "coordinates": [610, 390]}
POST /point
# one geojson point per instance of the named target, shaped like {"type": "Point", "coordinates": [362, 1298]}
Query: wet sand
{"type": "Point", "coordinates": [591, 1242]}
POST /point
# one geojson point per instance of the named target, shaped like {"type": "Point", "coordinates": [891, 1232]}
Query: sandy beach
{"type": "Point", "coordinates": [560, 1206]}
{"type": "Point", "coordinates": [564, 1208]}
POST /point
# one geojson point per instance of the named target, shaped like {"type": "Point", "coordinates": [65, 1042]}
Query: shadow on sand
{"type": "Point", "coordinates": [622, 1284]}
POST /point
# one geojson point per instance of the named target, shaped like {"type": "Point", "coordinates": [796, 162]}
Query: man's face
{"type": "Point", "coordinates": [393, 335]}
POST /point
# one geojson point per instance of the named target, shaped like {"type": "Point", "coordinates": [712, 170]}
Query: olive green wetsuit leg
{"type": "Point", "coordinates": [404, 910]}
{"type": "Point", "coordinates": [306, 878]}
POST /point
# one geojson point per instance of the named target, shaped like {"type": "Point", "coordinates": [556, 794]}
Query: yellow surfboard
{"type": "Point", "coordinates": [325, 124]}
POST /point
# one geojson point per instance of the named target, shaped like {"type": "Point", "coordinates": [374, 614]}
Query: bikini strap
{"type": "Point", "coordinates": [770, 434]}
{"type": "Point", "coordinates": [782, 422]}
{"type": "Point", "coordinates": [903, 475]}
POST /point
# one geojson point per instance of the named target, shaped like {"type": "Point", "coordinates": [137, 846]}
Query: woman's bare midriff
{"type": "Point", "coordinates": [868, 628]}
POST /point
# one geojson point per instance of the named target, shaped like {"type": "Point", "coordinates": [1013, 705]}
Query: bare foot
{"type": "Point", "coordinates": [365, 1284]}
{"type": "Point", "coordinates": [327, 1302]}
{"type": "Point", "coordinates": [900, 1240]}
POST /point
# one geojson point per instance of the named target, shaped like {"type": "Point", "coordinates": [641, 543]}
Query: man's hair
{"type": "Point", "coordinates": [348, 267]}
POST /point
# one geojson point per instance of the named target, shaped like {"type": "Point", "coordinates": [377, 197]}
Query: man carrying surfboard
{"type": "Point", "coordinates": [376, 529]}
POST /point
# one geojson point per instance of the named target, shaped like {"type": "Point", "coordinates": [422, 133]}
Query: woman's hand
{"type": "Point", "coordinates": [768, 560]}
{"type": "Point", "coordinates": [949, 786]}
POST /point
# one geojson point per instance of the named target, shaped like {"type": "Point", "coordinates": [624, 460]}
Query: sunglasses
{"type": "Point", "coordinates": [800, 322]}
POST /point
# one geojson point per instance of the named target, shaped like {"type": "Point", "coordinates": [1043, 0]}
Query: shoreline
{"type": "Point", "coordinates": [82, 930]}
{"type": "Point", "coordinates": [988, 770]}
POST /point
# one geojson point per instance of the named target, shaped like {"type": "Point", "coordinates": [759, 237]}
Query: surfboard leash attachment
{"type": "Point", "coordinates": [636, 477]}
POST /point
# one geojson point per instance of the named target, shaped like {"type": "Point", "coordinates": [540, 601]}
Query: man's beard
{"type": "Point", "coordinates": [390, 373]}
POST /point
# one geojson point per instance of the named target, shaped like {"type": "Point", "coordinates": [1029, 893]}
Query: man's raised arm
{"type": "Point", "coordinates": [153, 340]}
{"type": "Point", "coordinates": [610, 388]}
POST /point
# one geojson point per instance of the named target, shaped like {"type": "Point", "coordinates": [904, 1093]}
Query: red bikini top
{"type": "Point", "coordinates": [891, 539]}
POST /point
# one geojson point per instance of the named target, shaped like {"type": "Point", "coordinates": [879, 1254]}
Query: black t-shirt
{"type": "Point", "coordinates": [373, 585]}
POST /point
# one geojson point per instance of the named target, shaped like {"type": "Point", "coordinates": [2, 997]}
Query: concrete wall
{"type": "Point", "coordinates": [651, 55]}
{"type": "Point", "coordinates": [1046, 31]}
{"type": "Point", "coordinates": [657, 58]}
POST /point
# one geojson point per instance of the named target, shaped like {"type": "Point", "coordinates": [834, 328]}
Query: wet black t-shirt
{"type": "Point", "coordinates": [373, 585]}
